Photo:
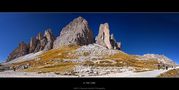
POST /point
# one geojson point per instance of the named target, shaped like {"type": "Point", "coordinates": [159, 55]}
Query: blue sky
{"type": "Point", "coordinates": [140, 33]}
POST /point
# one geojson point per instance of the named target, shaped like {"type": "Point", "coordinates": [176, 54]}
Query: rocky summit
{"type": "Point", "coordinates": [76, 32]}
{"type": "Point", "coordinates": [105, 39]}
{"type": "Point", "coordinates": [44, 42]}
{"type": "Point", "coordinates": [39, 43]}
{"type": "Point", "coordinates": [21, 50]}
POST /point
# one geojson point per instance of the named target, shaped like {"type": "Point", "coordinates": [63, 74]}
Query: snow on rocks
{"type": "Point", "coordinates": [27, 57]}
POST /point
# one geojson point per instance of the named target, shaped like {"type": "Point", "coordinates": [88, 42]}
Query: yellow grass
{"type": "Point", "coordinates": [57, 68]}
{"type": "Point", "coordinates": [62, 53]}
{"type": "Point", "coordinates": [52, 60]}
{"type": "Point", "coordinates": [170, 73]}
{"type": "Point", "coordinates": [123, 59]}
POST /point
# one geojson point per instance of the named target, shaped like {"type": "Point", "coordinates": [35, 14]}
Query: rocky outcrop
{"type": "Point", "coordinates": [33, 44]}
{"type": "Point", "coordinates": [105, 39]}
{"type": "Point", "coordinates": [50, 39]}
{"type": "Point", "coordinates": [114, 44]}
{"type": "Point", "coordinates": [21, 50]}
{"type": "Point", "coordinates": [76, 32]}
{"type": "Point", "coordinates": [42, 42]}
{"type": "Point", "coordinates": [160, 58]}
{"type": "Point", "coordinates": [39, 43]}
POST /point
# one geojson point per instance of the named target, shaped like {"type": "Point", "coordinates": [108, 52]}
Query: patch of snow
{"type": "Point", "coordinates": [27, 57]}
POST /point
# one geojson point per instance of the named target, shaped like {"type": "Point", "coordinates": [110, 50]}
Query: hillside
{"type": "Point", "coordinates": [76, 52]}
{"type": "Point", "coordinates": [90, 60]}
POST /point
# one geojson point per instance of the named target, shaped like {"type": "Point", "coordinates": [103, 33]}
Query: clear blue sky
{"type": "Point", "coordinates": [140, 33]}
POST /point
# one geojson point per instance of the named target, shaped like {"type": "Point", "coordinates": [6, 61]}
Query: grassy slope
{"type": "Point", "coordinates": [170, 73]}
{"type": "Point", "coordinates": [52, 61]}
{"type": "Point", "coordinates": [122, 59]}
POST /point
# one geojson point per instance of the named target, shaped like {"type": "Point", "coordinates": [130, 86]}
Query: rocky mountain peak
{"type": "Point", "coordinates": [76, 32]}
{"type": "Point", "coordinates": [50, 39]}
{"type": "Point", "coordinates": [37, 43]}
{"type": "Point", "coordinates": [39, 36]}
{"type": "Point", "coordinates": [21, 50]}
{"type": "Point", "coordinates": [48, 34]}
{"type": "Point", "coordinates": [105, 39]}
{"type": "Point", "coordinates": [33, 43]}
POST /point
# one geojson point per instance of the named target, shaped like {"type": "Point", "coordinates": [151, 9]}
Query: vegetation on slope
{"type": "Point", "coordinates": [124, 60]}
{"type": "Point", "coordinates": [60, 68]}
{"type": "Point", "coordinates": [51, 61]}
{"type": "Point", "coordinates": [170, 73]}
{"type": "Point", "coordinates": [59, 61]}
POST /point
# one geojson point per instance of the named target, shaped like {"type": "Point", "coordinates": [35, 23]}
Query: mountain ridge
{"type": "Point", "coordinates": [76, 51]}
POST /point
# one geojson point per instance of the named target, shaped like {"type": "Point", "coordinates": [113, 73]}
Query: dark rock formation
{"type": "Point", "coordinates": [33, 44]}
{"type": "Point", "coordinates": [114, 44]}
{"type": "Point", "coordinates": [42, 42]}
{"type": "Point", "coordinates": [105, 39]}
{"type": "Point", "coordinates": [76, 32]}
{"type": "Point", "coordinates": [36, 44]}
{"type": "Point", "coordinates": [21, 50]}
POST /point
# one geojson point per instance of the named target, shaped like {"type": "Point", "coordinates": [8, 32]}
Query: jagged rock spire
{"type": "Point", "coordinates": [21, 50]}
{"type": "Point", "coordinates": [105, 39]}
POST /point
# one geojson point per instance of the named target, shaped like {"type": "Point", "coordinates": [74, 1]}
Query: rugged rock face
{"type": "Point", "coordinates": [76, 32]}
{"type": "Point", "coordinates": [50, 39]}
{"type": "Point", "coordinates": [33, 44]}
{"type": "Point", "coordinates": [160, 58]}
{"type": "Point", "coordinates": [105, 39]}
{"type": "Point", "coordinates": [38, 43]}
{"type": "Point", "coordinates": [21, 50]}
{"type": "Point", "coordinates": [42, 42]}
{"type": "Point", "coordinates": [114, 44]}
